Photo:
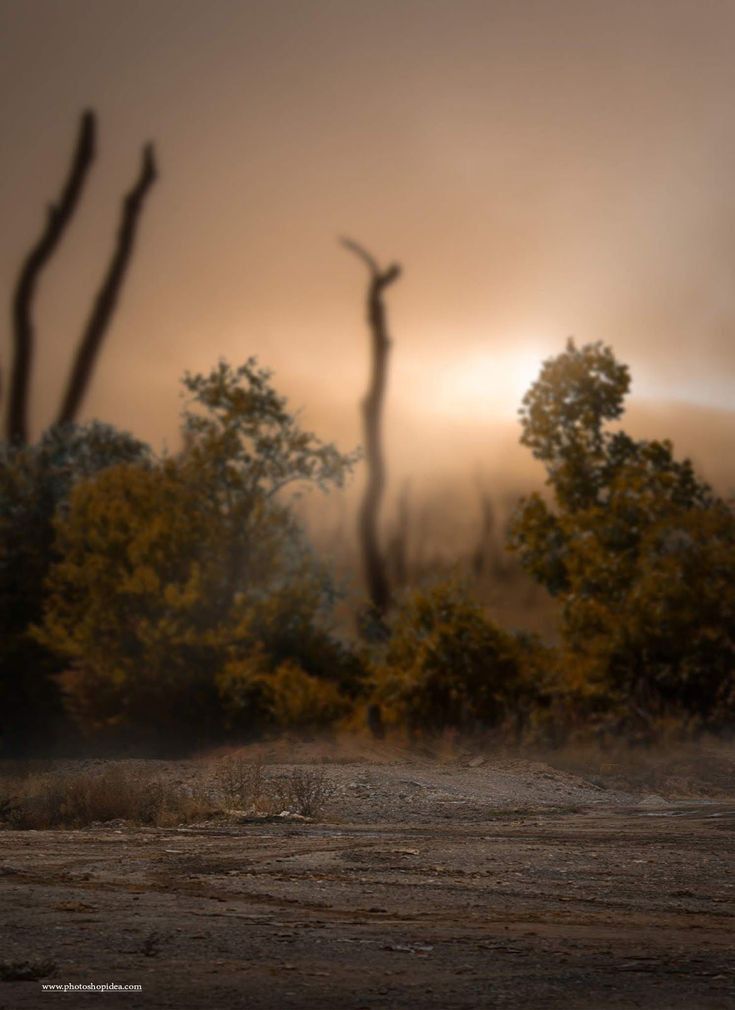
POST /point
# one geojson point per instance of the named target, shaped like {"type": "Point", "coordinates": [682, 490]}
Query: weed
{"type": "Point", "coordinates": [241, 782]}
{"type": "Point", "coordinates": [304, 791]}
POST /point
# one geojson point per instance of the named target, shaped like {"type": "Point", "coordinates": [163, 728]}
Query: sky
{"type": "Point", "coordinates": [540, 168]}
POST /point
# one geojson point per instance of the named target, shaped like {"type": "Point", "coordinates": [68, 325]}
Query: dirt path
{"type": "Point", "coordinates": [601, 905]}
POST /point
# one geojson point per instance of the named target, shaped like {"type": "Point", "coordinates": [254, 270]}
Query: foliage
{"type": "Point", "coordinates": [172, 576]}
{"type": "Point", "coordinates": [35, 482]}
{"type": "Point", "coordinates": [447, 665]}
{"type": "Point", "coordinates": [286, 698]}
{"type": "Point", "coordinates": [240, 435]}
{"type": "Point", "coordinates": [563, 414]}
{"type": "Point", "coordinates": [639, 550]}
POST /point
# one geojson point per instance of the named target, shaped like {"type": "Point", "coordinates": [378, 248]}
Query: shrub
{"type": "Point", "coordinates": [304, 791]}
{"type": "Point", "coordinates": [447, 665]}
{"type": "Point", "coordinates": [240, 782]}
{"type": "Point", "coordinates": [286, 699]}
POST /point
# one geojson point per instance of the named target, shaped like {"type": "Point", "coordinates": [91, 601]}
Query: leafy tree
{"type": "Point", "coordinates": [639, 550]}
{"type": "Point", "coordinates": [174, 575]}
{"type": "Point", "coordinates": [239, 430]}
{"type": "Point", "coordinates": [35, 483]}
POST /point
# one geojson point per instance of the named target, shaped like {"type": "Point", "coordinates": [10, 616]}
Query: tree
{"type": "Point", "coordinates": [35, 483]}
{"type": "Point", "coordinates": [180, 583]}
{"type": "Point", "coordinates": [640, 551]}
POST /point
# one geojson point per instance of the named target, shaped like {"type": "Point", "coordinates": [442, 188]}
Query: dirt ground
{"type": "Point", "coordinates": [466, 883]}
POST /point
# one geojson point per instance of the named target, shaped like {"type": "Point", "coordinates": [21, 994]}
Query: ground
{"type": "Point", "coordinates": [465, 883]}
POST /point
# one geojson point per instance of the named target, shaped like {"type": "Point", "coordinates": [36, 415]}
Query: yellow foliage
{"type": "Point", "coordinates": [640, 552]}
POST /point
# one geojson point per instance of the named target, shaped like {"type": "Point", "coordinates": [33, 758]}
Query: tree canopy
{"type": "Point", "coordinates": [35, 484]}
{"type": "Point", "coordinates": [640, 551]}
{"type": "Point", "coordinates": [174, 573]}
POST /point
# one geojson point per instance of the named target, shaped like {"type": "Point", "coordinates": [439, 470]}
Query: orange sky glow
{"type": "Point", "coordinates": [540, 168]}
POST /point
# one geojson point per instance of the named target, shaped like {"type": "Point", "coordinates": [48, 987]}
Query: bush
{"type": "Point", "coordinates": [448, 666]}
{"type": "Point", "coordinates": [286, 699]}
{"type": "Point", "coordinates": [241, 783]}
{"type": "Point", "coordinates": [304, 791]}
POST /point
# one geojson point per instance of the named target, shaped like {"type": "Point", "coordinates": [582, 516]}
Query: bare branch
{"type": "Point", "coordinates": [108, 295]}
{"type": "Point", "coordinates": [364, 255]}
{"type": "Point", "coordinates": [59, 216]}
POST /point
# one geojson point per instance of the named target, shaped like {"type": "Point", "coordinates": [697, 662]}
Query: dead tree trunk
{"type": "Point", "coordinates": [59, 216]}
{"type": "Point", "coordinates": [107, 297]}
{"type": "Point", "coordinates": [372, 409]}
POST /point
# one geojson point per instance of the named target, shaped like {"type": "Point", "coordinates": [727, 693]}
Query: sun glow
{"type": "Point", "coordinates": [483, 383]}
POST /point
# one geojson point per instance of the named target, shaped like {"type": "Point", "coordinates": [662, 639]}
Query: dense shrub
{"type": "Point", "coordinates": [447, 665]}
{"type": "Point", "coordinates": [286, 698]}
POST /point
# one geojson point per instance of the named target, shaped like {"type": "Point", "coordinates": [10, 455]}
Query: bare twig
{"type": "Point", "coordinates": [59, 216]}
{"type": "Point", "coordinates": [108, 295]}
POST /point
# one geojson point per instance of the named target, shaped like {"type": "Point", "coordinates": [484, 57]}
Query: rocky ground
{"type": "Point", "coordinates": [465, 883]}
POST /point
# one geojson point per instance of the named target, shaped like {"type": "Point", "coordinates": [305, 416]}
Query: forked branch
{"type": "Point", "coordinates": [109, 292]}
{"type": "Point", "coordinates": [59, 216]}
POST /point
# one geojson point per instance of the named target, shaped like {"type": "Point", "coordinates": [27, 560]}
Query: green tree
{"type": "Point", "coordinates": [639, 550]}
{"type": "Point", "coordinates": [35, 483]}
{"type": "Point", "coordinates": [179, 583]}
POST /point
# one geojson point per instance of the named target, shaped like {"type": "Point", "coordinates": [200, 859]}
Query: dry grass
{"type": "Point", "coordinates": [303, 791]}
{"type": "Point", "coordinates": [244, 786]}
{"type": "Point", "coordinates": [240, 783]}
{"type": "Point", "coordinates": [76, 799]}
{"type": "Point", "coordinates": [687, 768]}
{"type": "Point", "coordinates": [33, 799]}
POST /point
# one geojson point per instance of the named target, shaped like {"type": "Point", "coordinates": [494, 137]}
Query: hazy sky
{"type": "Point", "coordinates": [539, 168]}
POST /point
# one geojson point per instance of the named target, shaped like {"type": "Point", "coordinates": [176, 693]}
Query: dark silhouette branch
{"type": "Point", "coordinates": [59, 216]}
{"type": "Point", "coordinates": [108, 295]}
{"type": "Point", "coordinates": [372, 408]}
